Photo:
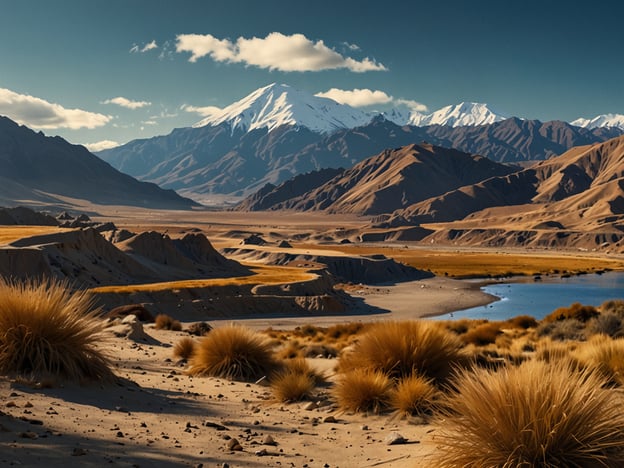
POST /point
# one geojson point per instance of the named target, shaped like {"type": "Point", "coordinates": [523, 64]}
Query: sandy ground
{"type": "Point", "coordinates": [402, 301]}
{"type": "Point", "coordinates": [158, 416]}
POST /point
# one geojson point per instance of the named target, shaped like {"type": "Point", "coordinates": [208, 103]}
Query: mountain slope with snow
{"type": "Point", "coordinates": [604, 120]}
{"type": "Point", "coordinates": [460, 115]}
{"type": "Point", "coordinates": [279, 104]}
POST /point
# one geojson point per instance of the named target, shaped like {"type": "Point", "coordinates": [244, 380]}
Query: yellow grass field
{"type": "Point", "coordinates": [465, 263]}
{"type": "Point", "coordinates": [263, 274]}
{"type": "Point", "coordinates": [10, 234]}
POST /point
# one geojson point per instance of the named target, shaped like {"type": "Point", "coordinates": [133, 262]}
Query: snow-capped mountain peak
{"type": "Point", "coordinates": [463, 114]}
{"type": "Point", "coordinates": [604, 120]}
{"type": "Point", "coordinates": [279, 104]}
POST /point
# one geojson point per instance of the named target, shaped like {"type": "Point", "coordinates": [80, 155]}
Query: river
{"type": "Point", "coordinates": [539, 298]}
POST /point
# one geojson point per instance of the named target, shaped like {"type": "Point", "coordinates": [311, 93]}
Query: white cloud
{"type": "Point", "coordinates": [127, 103]}
{"type": "Point", "coordinates": [203, 111]}
{"type": "Point", "coordinates": [414, 106]}
{"type": "Point", "coordinates": [149, 122]}
{"type": "Point", "coordinates": [351, 46]}
{"type": "Point", "coordinates": [38, 113]}
{"type": "Point", "coordinates": [276, 52]}
{"type": "Point", "coordinates": [357, 97]}
{"type": "Point", "coordinates": [149, 46]}
{"type": "Point", "coordinates": [101, 145]}
{"type": "Point", "coordinates": [368, 97]}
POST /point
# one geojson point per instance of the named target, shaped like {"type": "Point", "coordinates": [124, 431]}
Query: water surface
{"type": "Point", "coordinates": [538, 299]}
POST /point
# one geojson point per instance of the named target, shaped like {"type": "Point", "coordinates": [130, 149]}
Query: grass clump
{"type": "Point", "coordinates": [165, 322]}
{"type": "Point", "coordinates": [523, 322]}
{"type": "Point", "coordinates": [535, 414]}
{"type": "Point", "coordinates": [604, 355]}
{"type": "Point", "coordinates": [363, 390]}
{"type": "Point", "coordinates": [48, 330]}
{"type": "Point", "coordinates": [295, 382]}
{"type": "Point", "coordinates": [400, 349]}
{"type": "Point", "coordinates": [233, 352]}
{"type": "Point", "coordinates": [482, 334]}
{"type": "Point", "coordinates": [576, 311]}
{"type": "Point", "coordinates": [184, 348]}
{"type": "Point", "coordinates": [414, 396]}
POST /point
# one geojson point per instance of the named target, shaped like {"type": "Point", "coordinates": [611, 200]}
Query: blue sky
{"type": "Point", "coordinates": [64, 65]}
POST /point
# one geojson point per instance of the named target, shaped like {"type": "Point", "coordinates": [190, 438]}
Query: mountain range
{"type": "Point", "coordinates": [423, 193]}
{"type": "Point", "coordinates": [37, 169]}
{"type": "Point", "coordinates": [278, 132]}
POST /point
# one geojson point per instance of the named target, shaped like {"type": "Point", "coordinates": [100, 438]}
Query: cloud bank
{"type": "Point", "coordinates": [37, 113]}
{"type": "Point", "coordinates": [357, 97]}
{"type": "Point", "coordinates": [203, 111]}
{"type": "Point", "coordinates": [127, 103]}
{"type": "Point", "coordinates": [368, 97]}
{"type": "Point", "coordinates": [101, 145]}
{"type": "Point", "coordinates": [277, 51]}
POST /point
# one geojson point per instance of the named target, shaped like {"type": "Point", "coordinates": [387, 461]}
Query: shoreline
{"type": "Point", "coordinates": [425, 298]}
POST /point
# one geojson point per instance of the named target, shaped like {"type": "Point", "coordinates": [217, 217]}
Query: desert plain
{"type": "Point", "coordinates": [156, 414]}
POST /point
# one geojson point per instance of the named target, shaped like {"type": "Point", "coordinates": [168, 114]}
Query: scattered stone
{"type": "Point", "coordinates": [28, 435]}
{"type": "Point", "coordinates": [78, 452]}
{"type": "Point", "coordinates": [261, 452]}
{"type": "Point", "coordinates": [234, 445]}
{"type": "Point", "coordinates": [329, 419]}
{"type": "Point", "coordinates": [268, 440]}
{"type": "Point", "coordinates": [394, 438]}
{"type": "Point", "coordinates": [364, 427]}
{"type": "Point", "coordinates": [28, 404]}
{"type": "Point", "coordinates": [217, 426]}
{"type": "Point", "coordinates": [310, 406]}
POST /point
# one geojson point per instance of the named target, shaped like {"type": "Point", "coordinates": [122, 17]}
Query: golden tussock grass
{"type": "Point", "coordinates": [165, 322]}
{"type": "Point", "coordinates": [576, 311]}
{"type": "Point", "coordinates": [48, 330]}
{"type": "Point", "coordinates": [536, 414]}
{"type": "Point", "coordinates": [414, 396]}
{"type": "Point", "coordinates": [233, 352]}
{"type": "Point", "coordinates": [295, 381]}
{"type": "Point", "coordinates": [400, 349]}
{"type": "Point", "coordinates": [184, 348]}
{"type": "Point", "coordinates": [483, 334]}
{"type": "Point", "coordinates": [363, 390]}
{"type": "Point", "coordinates": [604, 355]}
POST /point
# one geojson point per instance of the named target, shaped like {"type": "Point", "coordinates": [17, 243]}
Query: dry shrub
{"type": "Point", "coordinates": [523, 322]}
{"type": "Point", "coordinates": [344, 331]}
{"type": "Point", "coordinates": [165, 322]}
{"type": "Point", "coordinates": [309, 331]}
{"type": "Point", "coordinates": [576, 311]}
{"type": "Point", "coordinates": [184, 348]}
{"type": "Point", "coordinates": [607, 323]}
{"type": "Point", "coordinates": [414, 396]}
{"type": "Point", "coordinates": [363, 390]}
{"type": "Point", "coordinates": [233, 352]}
{"type": "Point", "coordinates": [322, 350]}
{"type": "Point", "coordinates": [400, 349]}
{"type": "Point", "coordinates": [536, 414]}
{"type": "Point", "coordinates": [199, 328]}
{"type": "Point", "coordinates": [292, 350]}
{"type": "Point", "coordinates": [562, 330]}
{"type": "Point", "coordinates": [295, 381]}
{"type": "Point", "coordinates": [48, 330]}
{"type": "Point", "coordinates": [482, 334]}
{"type": "Point", "coordinates": [459, 327]}
{"type": "Point", "coordinates": [615, 306]}
{"type": "Point", "coordinates": [604, 355]}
